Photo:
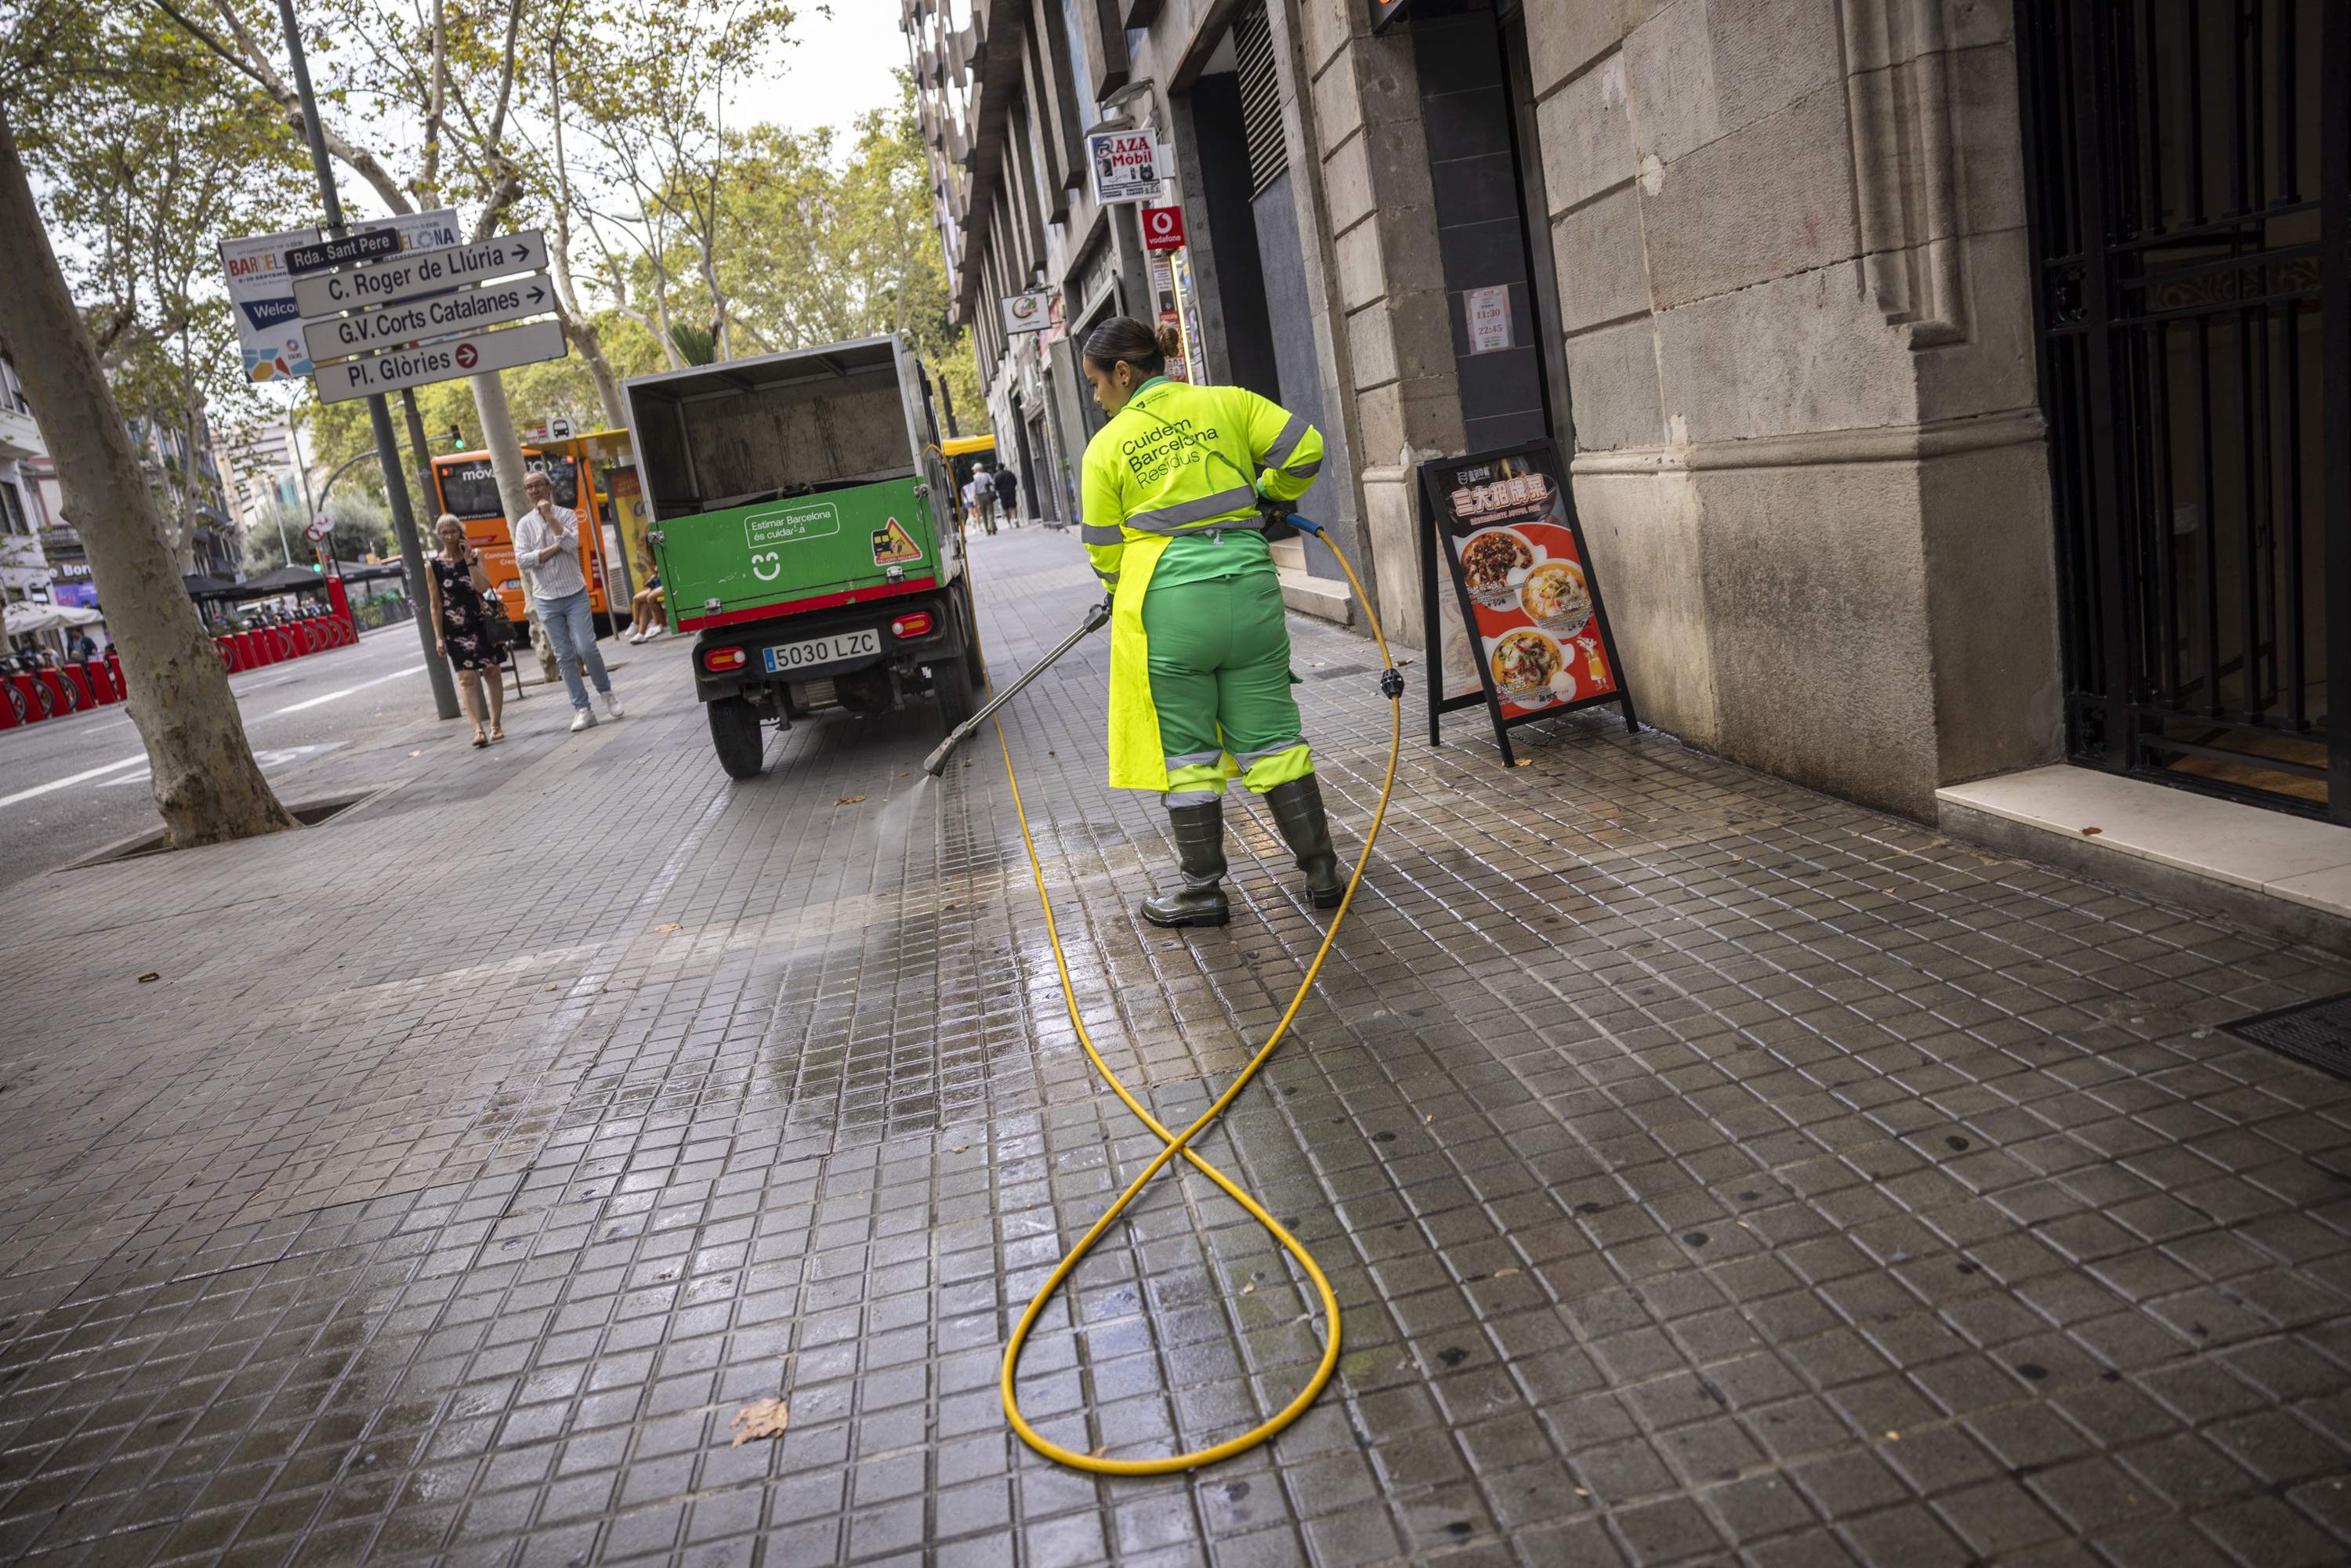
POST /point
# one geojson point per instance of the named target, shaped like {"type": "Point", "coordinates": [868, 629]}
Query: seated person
{"type": "Point", "coordinates": [651, 623]}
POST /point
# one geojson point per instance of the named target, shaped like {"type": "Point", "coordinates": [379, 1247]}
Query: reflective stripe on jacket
{"type": "Point", "coordinates": [1176, 459]}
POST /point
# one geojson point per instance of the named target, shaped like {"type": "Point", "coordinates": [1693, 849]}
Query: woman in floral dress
{"type": "Point", "coordinates": [458, 585]}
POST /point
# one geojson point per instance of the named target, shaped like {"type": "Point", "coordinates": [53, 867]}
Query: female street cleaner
{"type": "Point", "coordinates": [1180, 489]}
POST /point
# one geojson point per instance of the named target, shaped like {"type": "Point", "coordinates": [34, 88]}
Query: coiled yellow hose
{"type": "Point", "coordinates": [1180, 1143]}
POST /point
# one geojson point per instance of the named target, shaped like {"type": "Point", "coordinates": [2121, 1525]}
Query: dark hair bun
{"type": "Point", "coordinates": [1171, 340]}
{"type": "Point", "coordinates": [1124, 340]}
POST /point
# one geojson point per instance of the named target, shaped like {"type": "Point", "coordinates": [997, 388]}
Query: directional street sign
{"type": "Point", "coordinates": [397, 368]}
{"type": "Point", "coordinates": [462, 310]}
{"type": "Point", "coordinates": [419, 273]}
{"type": "Point", "coordinates": [366, 245]}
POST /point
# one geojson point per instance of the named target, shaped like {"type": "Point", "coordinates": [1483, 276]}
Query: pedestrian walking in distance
{"type": "Point", "coordinates": [1179, 487]}
{"type": "Point", "coordinates": [547, 547]}
{"type": "Point", "coordinates": [1007, 496]}
{"type": "Point", "coordinates": [458, 585]}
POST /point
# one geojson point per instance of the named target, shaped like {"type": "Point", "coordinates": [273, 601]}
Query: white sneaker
{"type": "Point", "coordinates": [612, 706]}
{"type": "Point", "coordinates": [582, 719]}
{"type": "Point", "coordinates": [656, 634]}
{"type": "Point", "coordinates": [636, 637]}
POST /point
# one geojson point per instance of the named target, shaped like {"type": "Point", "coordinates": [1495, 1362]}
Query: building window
{"type": "Point", "coordinates": [12, 510]}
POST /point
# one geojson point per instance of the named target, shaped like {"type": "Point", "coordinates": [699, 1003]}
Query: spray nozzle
{"type": "Point", "coordinates": [1302, 521]}
{"type": "Point", "coordinates": [1391, 682]}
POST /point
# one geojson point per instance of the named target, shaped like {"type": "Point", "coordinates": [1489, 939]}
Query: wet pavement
{"type": "Point", "coordinates": [1710, 1170]}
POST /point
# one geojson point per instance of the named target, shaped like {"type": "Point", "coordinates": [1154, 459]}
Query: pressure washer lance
{"type": "Point", "coordinates": [937, 762]}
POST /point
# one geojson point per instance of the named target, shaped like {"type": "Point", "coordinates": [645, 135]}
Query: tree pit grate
{"type": "Point", "coordinates": [2316, 1034]}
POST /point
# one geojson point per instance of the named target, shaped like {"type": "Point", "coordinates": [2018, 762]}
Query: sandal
{"type": "Point", "coordinates": [480, 739]}
{"type": "Point", "coordinates": [497, 732]}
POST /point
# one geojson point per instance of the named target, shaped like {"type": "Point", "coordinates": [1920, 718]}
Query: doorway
{"type": "Point", "coordinates": [2189, 176]}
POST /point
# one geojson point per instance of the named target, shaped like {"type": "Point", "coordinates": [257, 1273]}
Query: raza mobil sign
{"type": "Point", "coordinates": [1127, 165]}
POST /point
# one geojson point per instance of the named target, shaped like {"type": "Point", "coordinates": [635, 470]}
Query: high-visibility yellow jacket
{"type": "Point", "coordinates": [1177, 459]}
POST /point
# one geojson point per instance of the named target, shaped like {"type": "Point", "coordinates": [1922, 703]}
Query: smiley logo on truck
{"type": "Point", "coordinates": [766, 566]}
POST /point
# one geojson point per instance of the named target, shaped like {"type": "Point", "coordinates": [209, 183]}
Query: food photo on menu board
{"type": "Point", "coordinates": [1528, 591]}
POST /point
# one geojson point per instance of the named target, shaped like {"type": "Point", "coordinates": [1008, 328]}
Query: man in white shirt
{"type": "Point", "coordinates": [547, 548]}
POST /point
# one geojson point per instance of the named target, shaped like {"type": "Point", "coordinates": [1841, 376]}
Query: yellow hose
{"type": "Point", "coordinates": [1180, 1143]}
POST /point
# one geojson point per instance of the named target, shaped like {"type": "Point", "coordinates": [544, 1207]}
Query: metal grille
{"type": "Point", "coordinates": [2318, 1034]}
{"type": "Point", "coordinates": [2189, 188]}
{"type": "Point", "coordinates": [1260, 86]}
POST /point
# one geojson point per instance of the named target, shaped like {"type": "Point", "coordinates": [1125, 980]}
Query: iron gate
{"type": "Point", "coordinates": [2189, 174]}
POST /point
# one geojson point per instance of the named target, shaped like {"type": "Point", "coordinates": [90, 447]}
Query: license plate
{"type": "Point", "coordinates": [785, 657]}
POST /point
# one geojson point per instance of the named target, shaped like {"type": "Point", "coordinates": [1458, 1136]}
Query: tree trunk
{"type": "Point", "coordinates": [207, 785]}
{"type": "Point", "coordinates": [506, 466]}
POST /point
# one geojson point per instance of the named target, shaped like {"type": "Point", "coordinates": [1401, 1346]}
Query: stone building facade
{"type": "Point", "coordinates": [1774, 287]}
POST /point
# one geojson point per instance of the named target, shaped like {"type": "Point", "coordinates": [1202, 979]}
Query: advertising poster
{"type": "Point", "coordinates": [269, 326]}
{"type": "Point", "coordinates": [629, 516]}
{"type": "Point", "coordinates": [1127, 165]}
{"type": "Point", "coordinates": [1528, 621]}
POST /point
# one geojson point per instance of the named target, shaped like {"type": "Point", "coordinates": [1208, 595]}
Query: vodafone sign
{"type": "Point", "coordinates": [1163, 228]}
{"type": "Point", "coordinates": [1127, 165]}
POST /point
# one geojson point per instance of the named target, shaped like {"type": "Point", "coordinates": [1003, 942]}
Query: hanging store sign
{"type": "Point", "coordinates": [420, 320]}
{"type": "Point", "coordinates": [1163, 228]}
{"type": "Point", "coordinates": [419, 273]}
{"type": "Point", "coordinates": [1531, 638]}
{"type": "Point", "coordinates": [1387, 14]}
{"type": "Point", "coordinates": [1029, 312]}
{"type": "Point", "coordinates": [1128, 166]}
{"type": "Point", "coordinates": [397, 368]}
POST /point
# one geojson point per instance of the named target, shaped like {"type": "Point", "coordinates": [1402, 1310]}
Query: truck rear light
{"type": "Point", "coordinates": [915, 625]}
{"type": "Point", "coordinates": [720, 660]}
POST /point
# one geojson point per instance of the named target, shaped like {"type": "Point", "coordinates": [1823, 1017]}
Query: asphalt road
{"type": "Point", "coordinates": [69, 785]}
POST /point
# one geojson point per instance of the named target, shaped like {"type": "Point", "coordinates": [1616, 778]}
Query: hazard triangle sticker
{"type": "Point", "coordinates": [893, 546]}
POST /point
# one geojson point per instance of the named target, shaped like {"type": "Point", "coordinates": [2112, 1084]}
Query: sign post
{"type": "Point", "coordinates": [387, 450]}
{"type": "Point", "coordinates": [1531, 621]}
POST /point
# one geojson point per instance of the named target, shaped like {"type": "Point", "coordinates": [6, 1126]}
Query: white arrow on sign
{"type": "Point", "coordinates": [419, 272]}
{"type": "Point", "coordinates": [420, 320]}
{"type": "Point", "coordinates": [443, 362]}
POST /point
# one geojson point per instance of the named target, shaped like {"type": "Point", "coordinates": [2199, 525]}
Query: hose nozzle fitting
{"type": "Point", "coordinates": [1391, 682]}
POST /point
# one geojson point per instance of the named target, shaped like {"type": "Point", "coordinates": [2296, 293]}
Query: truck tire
{"type": "Point", "coordinates": [735, 735]}
{"type": "Point", "coordinates": [951, 680]}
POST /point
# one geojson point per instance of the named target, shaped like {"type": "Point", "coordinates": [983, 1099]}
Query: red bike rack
{"type": "Point", "coordinates": [36, 701]}
{"type": "Point", "coordinates": [86, 694]}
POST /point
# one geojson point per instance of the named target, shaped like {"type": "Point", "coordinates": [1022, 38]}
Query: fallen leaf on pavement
{"type": "Point", "coordinates": [1504, 1273]}
{"type": "Point", "coordinates": [2092, 832]}
{"type": "Point", "coordinates": [1526, 762]}
{"type": "Point", "coordinates": [967, 762]}
{"type": "Point", "coordinates": [150, 975]}
{"type": "Point", "coordinates": [849, 799]}
{"type": "Point", "coordinates": [667, 925]}
{"type": "Point", "coordinates": [759, 1419]}
{"type": "Point", "coordinates": [1098, 1453]}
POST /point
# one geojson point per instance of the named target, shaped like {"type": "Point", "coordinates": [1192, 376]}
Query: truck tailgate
{"type": "Point", "coordinates": [775, 556]}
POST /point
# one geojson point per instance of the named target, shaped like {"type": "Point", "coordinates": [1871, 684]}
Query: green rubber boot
{"type": "Point", "coordinates": [1200, 851]}
{"type": "Point", "coordinates": [1297, 808]}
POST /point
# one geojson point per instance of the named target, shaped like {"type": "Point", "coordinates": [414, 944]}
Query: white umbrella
{"type": "Point", "coordinates": [24, 620]}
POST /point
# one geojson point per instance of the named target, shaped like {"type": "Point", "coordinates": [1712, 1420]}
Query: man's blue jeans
{"type": "Point", "coordinates": [572, 633]}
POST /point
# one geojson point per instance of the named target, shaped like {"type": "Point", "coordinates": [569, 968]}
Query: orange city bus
{"type": "Point", "coordinates": [468, 490]}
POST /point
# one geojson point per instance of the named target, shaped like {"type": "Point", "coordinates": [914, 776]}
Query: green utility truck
{"type": "Point", "coordinates": [806, 531]}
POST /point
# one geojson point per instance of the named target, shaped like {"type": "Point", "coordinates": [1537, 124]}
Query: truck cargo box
{"type": "Point", "coordinates": [789, 482]}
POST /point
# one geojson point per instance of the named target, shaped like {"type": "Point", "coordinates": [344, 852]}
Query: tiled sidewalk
{"type": "Point", "coordinates": [1710, 1170]}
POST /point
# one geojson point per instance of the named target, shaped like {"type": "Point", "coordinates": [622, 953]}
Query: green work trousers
{"type": "Point", "coordinates": [1220, 659]}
